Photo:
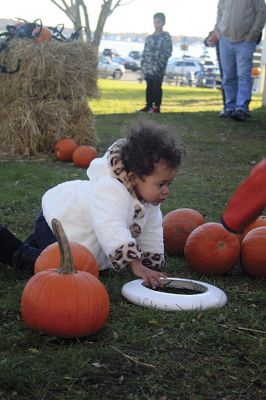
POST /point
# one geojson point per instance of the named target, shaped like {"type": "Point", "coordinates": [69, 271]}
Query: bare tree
{"type": "Point", "coordinates": [76, 9]}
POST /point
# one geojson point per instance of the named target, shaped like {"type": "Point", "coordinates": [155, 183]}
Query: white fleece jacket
{"type": "Point", "coordinates": [101, 214]}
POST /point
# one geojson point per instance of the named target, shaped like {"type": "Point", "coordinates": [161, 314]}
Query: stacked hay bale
{"type": "Point", "coordinates": [47, 98]}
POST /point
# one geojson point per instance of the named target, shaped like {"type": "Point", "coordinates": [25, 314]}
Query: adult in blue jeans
{"type": "Point", "coordinates": [238, 26]}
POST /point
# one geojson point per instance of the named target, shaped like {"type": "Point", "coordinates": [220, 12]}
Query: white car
{"type": "Point", "coordinates": [182, 68]}
{"type": "Point", "coordinates": [108, 68]}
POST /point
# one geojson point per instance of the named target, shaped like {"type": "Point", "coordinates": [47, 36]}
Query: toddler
{"type": "Point", "coordinates": [116, 212]}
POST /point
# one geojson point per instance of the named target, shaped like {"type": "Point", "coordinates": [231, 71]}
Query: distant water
{"type": "Point", "coordinates": [196, 49]}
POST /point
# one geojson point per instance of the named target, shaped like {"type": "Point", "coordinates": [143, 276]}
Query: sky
{"type": "Point", "coordinates": [183, 17]}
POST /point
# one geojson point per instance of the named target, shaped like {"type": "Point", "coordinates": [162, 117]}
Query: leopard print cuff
{"type": "Point", "coordinates": [153, 261]}
{"type": "Point", "coordinates": [130, 251]}
{"type": "Point", "coordinates": [124, 255]}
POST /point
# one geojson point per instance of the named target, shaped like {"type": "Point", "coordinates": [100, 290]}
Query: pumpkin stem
{"type": "Point", "coordinates": [66, 262]}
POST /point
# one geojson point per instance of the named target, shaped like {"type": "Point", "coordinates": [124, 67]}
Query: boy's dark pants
{"type": "Point", "coordinates": [24, 255]}
{"type": "Point", "coordinates": [154, 91]}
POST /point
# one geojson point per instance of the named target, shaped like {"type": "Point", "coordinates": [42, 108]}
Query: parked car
{"type": "Point", "coordinates": [128, 62]}
{"type": "Point", "coordinates": [182, 68]}
{"type": "Point", "coordinates": [106, 67]}
{"type": "Point", "coordinates": [209, 77]}
{"type": "Point", "coordinates": [135, 54]}
{"type": "Point", "coordinates": [110, 53]}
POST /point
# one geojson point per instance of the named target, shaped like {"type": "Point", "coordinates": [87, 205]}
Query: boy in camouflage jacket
{"type": "Point", "coordinates": [157, 50]}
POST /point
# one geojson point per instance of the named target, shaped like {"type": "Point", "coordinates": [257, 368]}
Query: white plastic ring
{"type": "Point", "coordinates": [209, 297]}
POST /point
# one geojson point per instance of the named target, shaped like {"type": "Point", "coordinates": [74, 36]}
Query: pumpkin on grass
{"type": "Point", "coordinates": [177, 226]}
{"type": "Point", "coordinates": [253, 252]}
{"type": "Point", "coordinates": [83, 155]}
{"type": "Point", "coordinates": [260, 221]}
{"type": "Point", "coordinates": [83, 259]}
{"type": "Point", "coordinates": [64, 149]}
{"type": "Point", "coordinates": [64, 302]}
{"type": "Point", "coordinates": [211, 249]}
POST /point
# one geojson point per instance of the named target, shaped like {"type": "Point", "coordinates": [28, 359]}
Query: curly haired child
{"type": "Point", "coordinates": [116, 213]}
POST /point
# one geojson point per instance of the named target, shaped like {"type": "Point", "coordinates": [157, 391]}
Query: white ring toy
{"type": "Point", "coordinates": [210, 297]}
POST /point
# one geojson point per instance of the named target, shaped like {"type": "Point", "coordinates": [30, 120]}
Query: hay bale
{"type": "Point", "coordinates": [30, 127]}
{"type": "Point", "coordinates": [49, 70]}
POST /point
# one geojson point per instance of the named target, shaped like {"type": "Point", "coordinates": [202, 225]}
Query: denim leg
{"type": "Point", "coordinates": [42, 237]}
{"type": "Point", "coordinates": [42, 233]}
{"type": "Point", "coordinates": [244, 58]}
{"type": "Point", "coordinates": [229, 68]}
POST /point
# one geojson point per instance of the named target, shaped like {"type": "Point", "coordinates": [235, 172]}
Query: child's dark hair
{"type": "Point", "coordinates": [146, 144]}
{"type": "Point", "coordinates": [160, 16]}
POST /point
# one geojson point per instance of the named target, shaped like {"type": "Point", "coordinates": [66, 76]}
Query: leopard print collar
{"type": "Point", "coordinates": [118, 171]}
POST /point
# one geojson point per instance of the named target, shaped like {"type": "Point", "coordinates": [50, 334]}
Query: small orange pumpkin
{"type": "Point", "coordinates": [64, 149]}
{"type": "Point", "coordinates": [83, 259]}
{"type": "Point", "coordinates": [177, 226]}
{"type": "Point", "coordinates": [83, 155]}
{"type": "Point", "coordinates": [41, 34]}
{"type": "Point", "coordinates": [211, 249]}
{"type": "Point", "coordinates": [253, 252]}
{"type": "Point", "coordinates": [64, 303]}
{"type": "Point", "coordinates": [260, 221]}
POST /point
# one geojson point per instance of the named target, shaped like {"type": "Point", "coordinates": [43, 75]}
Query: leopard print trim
{"type": "Point", "coordinates": [119, 172]}
{"type": "Point", "coordinates": [124, 254]}
{"type": "Point", "coordinates": [153, 261]}
{"type": "Point", "coordinates": [135, 230]}
{"type": "Point", "coordinates": [117, 167]}
{"type": "Point", "coordinates": [129, 252]}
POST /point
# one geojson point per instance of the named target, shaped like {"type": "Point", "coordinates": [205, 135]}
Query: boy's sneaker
{"type": "Point", "coordinates": [144, 109]}
{"type": "Point", "coordinates": [154, 109]}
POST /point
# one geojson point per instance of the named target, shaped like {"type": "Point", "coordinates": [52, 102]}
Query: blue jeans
{"type": "Point", "coordinates": [236, 60]}
{"type": "Point", "coordinates": [35, 243]}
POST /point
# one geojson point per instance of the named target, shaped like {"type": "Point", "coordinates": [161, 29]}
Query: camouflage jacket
{"type": "Point", "coordinates": [158, 48]}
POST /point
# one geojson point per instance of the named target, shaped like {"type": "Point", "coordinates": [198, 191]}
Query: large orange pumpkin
{"type": "Point", "coordinates": [211, 249]}
{"type": "Point", "coordinates": [260, 221]}
{"type": "Point", "coordinates": [83, 155]}
{"type": "Point", "coordinates": [177, 226]}
{"type": "Point", "coordinates": [64, 149]}
{"type": "Point", "coordinates": [64, 303]}
{"type": "Point", "coordinates": [83, 259]}
{"type": "Point", "coordinates": [253, 252]}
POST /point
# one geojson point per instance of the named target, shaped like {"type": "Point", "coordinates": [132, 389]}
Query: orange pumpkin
{"type": "Point", "coordinates": [41, 34]}
{"type": "Point", "coordinates": [64, 303]}
{"type": "Point", "coordinates": [83, 155]}
{"type": "Point", "coordinates": [253, 252]}
{"type": "Point", "coordinates": [211, 249]}
{"type": "Point", "coordinates": [177, 226]}
{"type": "Point", "coordinates": [83, 259]}
{"type": "Point", "coordinates": [260, 221]}
{"type": "Point", "coordinates": [64, 149]}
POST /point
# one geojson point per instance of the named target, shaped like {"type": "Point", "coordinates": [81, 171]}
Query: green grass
{"type": "Point", "coordinates": [141, 353]}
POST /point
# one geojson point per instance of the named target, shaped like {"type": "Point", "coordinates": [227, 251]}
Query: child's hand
{"type": "Point", "coordinates": [150, 277]}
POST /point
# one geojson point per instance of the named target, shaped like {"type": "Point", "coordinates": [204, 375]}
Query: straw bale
{"type": "Point", "coordinates": [49, 71]}
{"type": "Point", "coordinates": [33, 126]}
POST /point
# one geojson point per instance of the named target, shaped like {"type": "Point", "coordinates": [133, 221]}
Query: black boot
{"type": "Point", "coordinates": [9, 244]}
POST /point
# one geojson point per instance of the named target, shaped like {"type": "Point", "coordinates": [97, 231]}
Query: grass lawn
{"type": "Point", "coordinates": [141, 353]}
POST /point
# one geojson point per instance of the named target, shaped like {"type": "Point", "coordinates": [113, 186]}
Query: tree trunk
{"type": "Point", "coordinates": [76, 7]}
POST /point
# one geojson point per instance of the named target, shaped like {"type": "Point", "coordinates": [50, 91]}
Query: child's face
{"type": "Point", "coordinates": [154, 189]}
{"type": "Point", "coordinates": [158, 24]}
